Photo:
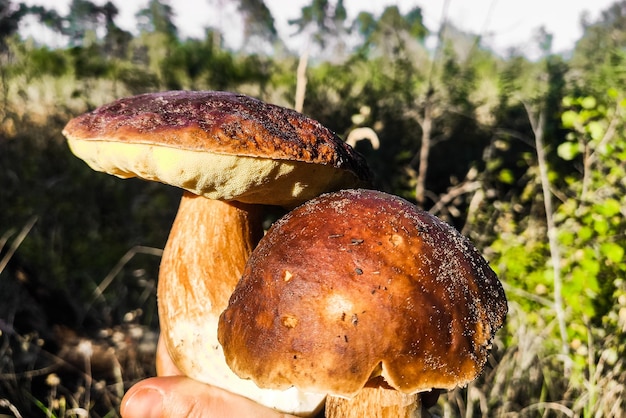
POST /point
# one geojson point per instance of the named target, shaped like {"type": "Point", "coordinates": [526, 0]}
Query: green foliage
{"type": "Point", "coordinates": [593, 216]}
{"type": "Point", "coordinates": [591, 231]}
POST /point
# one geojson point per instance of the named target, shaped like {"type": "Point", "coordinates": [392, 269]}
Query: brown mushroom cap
{"type": "Point", "coordinates": [217, 144]}
{"type": "Point", "coordinates": [356, 284]}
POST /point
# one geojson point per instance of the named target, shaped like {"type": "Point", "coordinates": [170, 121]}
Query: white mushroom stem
{"type": "Point", "coordinates": [207, 249]}
{"type": "Point", "coordinates": [204, 258]}
{"type": "Point", "coordinates": [375, 400]}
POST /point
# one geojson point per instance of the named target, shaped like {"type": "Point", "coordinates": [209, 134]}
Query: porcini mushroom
{"type": "Point", "coordinates": [361, 295]}
{"type": "Point", "coordinates": [232, 155]}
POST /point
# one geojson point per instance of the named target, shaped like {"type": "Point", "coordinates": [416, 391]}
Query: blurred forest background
{"type": "Point", "coordinates": [525, 157]}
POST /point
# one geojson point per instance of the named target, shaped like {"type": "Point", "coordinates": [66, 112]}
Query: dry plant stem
{"type": "Point", "coordinates": [301, 80]}
{"type": "Point", "coordinates": [538, 125]}
{"type": "Point", "coordinates": [426, 123]}
{"type": "Point", "coordinates": [375, 401]}
{"type": "Point", "coordinates": [203, 259]}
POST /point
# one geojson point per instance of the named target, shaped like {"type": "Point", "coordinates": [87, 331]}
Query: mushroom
{"type": "Point", "coordinates": [361, 295]}
{"type": "Point", "coordinates": [233, 155]}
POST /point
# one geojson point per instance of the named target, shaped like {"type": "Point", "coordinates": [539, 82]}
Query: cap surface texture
{"type": "Point", "coordinates": [356, 284]}
{"type": "Point", "coordinates": [218, 144]}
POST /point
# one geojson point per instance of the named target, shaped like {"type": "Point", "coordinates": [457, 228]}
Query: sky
{"type": "Point", "coordinates": [503, 23]}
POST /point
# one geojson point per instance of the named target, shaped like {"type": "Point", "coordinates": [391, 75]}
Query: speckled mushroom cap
{"type": "Point", "coordinates": [356, 284]}
{"type": "Point", "coordinates": [217, 144]}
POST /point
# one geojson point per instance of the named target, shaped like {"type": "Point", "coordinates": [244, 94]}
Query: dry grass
{"type": "Point", "coordinates": [85, 377]}
{"type": "Point", "coordinates": [53, 370]}
{"type": "Point", "coordinates": [527, 379]}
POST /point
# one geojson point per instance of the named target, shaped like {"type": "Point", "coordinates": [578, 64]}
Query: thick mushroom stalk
{"type": "Point", "coordinates": [376, 399]}
{"type": "Point", "coordinates": [207, 249]}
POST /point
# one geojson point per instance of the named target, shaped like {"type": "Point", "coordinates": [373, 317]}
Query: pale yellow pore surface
{"type": "Point", "coordinates": [215, 176]}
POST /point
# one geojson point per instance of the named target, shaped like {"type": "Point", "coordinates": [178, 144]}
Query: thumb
{"type": "Point", "coordinates": [182, 397]}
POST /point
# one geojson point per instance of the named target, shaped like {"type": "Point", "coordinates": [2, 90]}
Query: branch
{"type": "Point", "coordinates": [453, 193]}
{"type": "Point", "coordinates": [422, 169]}
{"type": "Point", "coordinates": [528, 295]}
{"type": "Point", "coordinates": [516, 135]}
{"type": "Point", "coordinates": [593, 156]}
{"type": "Point", "coordinates": [537, 125]}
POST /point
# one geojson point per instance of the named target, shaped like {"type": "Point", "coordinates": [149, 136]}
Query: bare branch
{"type": "Point", "coordinates": [538, 124]}
{"type": "Point", "coordinates": [427, 125]}
{"type": "Point", "coordinates": [593, 155]}
{"type": "Point", "coordinates": [453, 193]}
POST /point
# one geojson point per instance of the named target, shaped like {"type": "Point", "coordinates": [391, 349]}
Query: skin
{"type": "Point", "coordinates": [172, 395]}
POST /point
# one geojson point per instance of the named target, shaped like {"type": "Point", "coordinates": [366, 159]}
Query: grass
{"type": "Point", "coordinates": [60, 371]}
{"type": "Point", "coordinates": [528, 379]}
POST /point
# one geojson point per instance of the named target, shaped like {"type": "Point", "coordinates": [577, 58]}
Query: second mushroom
{"type": "Point", "coordinates": [360, 295]}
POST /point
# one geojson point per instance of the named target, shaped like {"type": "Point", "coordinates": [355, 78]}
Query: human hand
{"type": "Point", "coordinates": [179, 397]}
{"type": "Point", "coordinates": [172, 395]}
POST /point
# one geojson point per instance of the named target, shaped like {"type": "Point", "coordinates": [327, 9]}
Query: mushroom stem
{"type": "Point", "coordinates": [207, 249]}
{"type": "Point", "coordinates": [375, 400]}
{"type": "Point", "coordinates": [203, 260]}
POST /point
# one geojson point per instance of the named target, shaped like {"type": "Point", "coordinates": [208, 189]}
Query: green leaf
{"type": "Point", "coordinates": [596, 130]}
{"type": "Point", "coordinates": [591, 266]}
{"type": "Point", "coordinates": [567, 101]}
{"type": "Point", "coordinates": [566, 237]}
{"type": "Point", "coordinates": [609, 207]}
{"type": "Point", "coordinates": [588, 102]}
{"type": "Point", "coordinates": [601, 226]}
{"type": "Point", "coordinates": [613, 252]}
{"type": "Point", "coordinates": [568, 118]}
{"type": "Point", "coordinates": [568, 150]}
{"type": "Point", "coordinates": [585, 233]}
{"type": "Point", "coordinates": [506, 176]}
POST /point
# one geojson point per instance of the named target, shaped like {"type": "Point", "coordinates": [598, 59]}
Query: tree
{"type": "Point", "coordinates": [258, 23]}
{"type": "Point", "coordinates": [84, 18]}
{"type": "Point", "coordinates": [599, 55]}
{"type": "Point", "coordinates": [440, 107]}
{"type": "Point", "coordinates": [10, 17]}
{"type": "Point", "coordinates": [392, 33]}
{"type": "Point", "coordinates": [322, 21]}
{"type": "Point", "coordinates": [116, 40]}
{"type": "Point", "coordinates": [157, 17]}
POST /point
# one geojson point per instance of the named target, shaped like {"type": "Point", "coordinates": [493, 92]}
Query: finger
{"type": "Point", "coordinates": [164, 364]}
{"type": "Point", "coordinates": [178, 397]}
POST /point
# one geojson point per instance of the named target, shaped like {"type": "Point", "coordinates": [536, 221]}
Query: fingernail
{"type": "Point", "coordinates": [145, 403]}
